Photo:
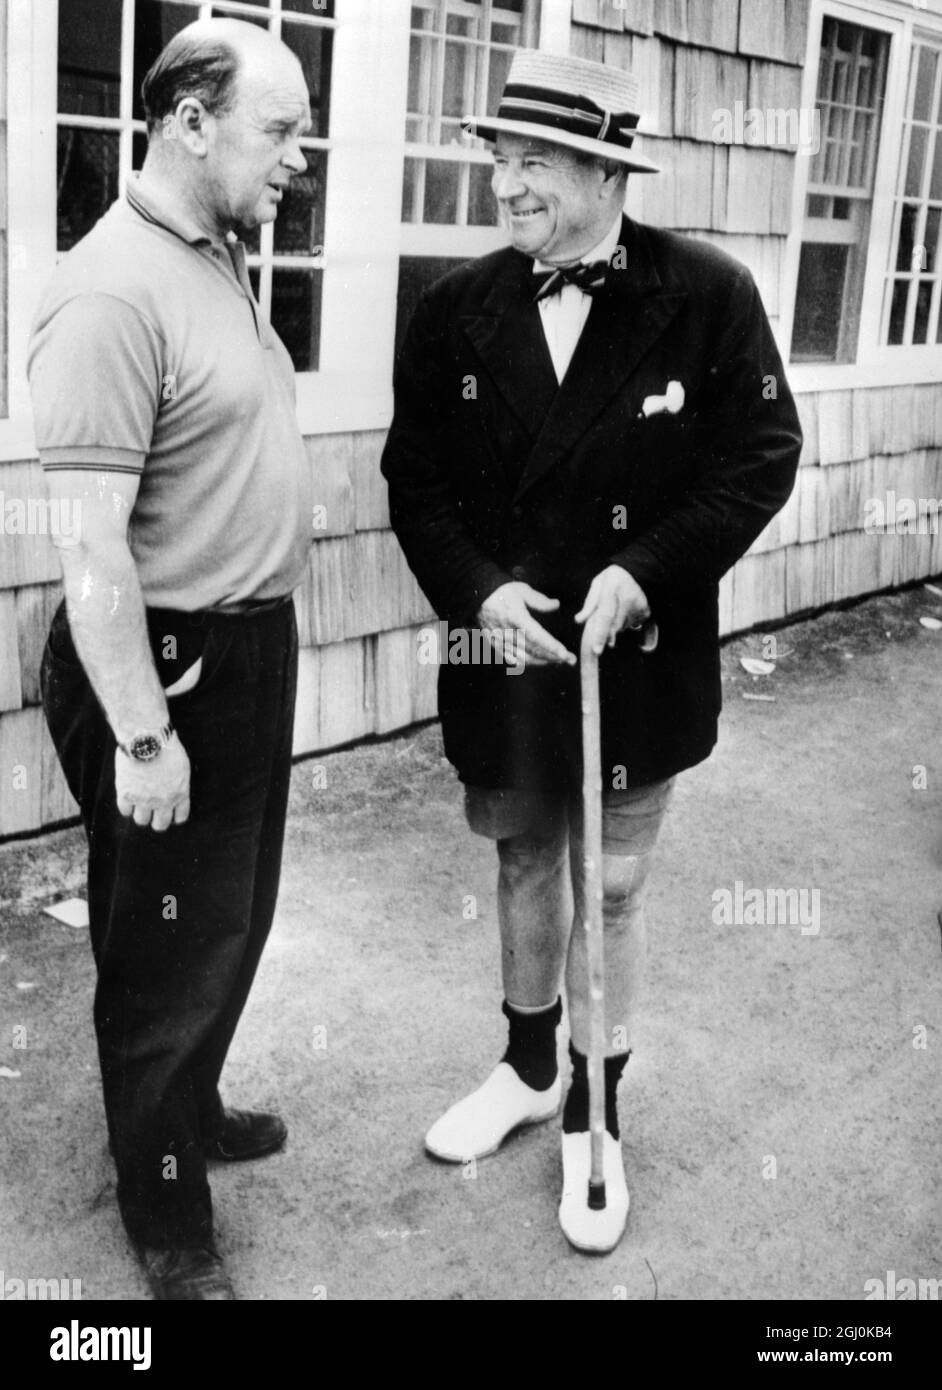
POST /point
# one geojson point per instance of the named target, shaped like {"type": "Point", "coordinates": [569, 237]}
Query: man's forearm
{"type": "Point", "coordinates": [109, 628]}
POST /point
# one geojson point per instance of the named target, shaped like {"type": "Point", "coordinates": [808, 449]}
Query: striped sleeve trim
{"type": "Point", "coordinates": [92, 458]}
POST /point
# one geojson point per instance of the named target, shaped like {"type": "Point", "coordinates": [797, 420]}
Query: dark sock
{"type": "Point", "coordinates": [531, 1047]}
{"type": "Point", "coordinates": [576, 1110]}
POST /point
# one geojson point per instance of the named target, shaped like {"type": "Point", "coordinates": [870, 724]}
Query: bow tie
{"type": "Point", "coordinates": [587, 278]}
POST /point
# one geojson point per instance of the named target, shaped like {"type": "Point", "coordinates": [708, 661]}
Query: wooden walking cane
{"type": "Point", "coordinates": [592, 898]}
{"type": "Point", "coordinates": [592, 910]}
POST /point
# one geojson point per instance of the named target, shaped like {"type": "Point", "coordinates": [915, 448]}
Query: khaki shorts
{"type": "Point", "coordinates": [631, 818]}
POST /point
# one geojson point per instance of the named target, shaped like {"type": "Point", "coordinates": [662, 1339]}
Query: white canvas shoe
{"type": "Point", "coordinates": [592, 1231]}
{"type": "Point", "coordinates": [479, 1124]}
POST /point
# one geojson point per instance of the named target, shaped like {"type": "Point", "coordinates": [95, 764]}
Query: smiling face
{"type": "Point", "coordinates": [556, 206]}
{"type": "Point", "coordinates": [253, 151]}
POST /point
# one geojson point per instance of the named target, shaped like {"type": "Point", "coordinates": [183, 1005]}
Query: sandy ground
{"type": "Point", "coordinates": [765, 1049]}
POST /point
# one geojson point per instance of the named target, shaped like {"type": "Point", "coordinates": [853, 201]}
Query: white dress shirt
{"type": "Point", "coordinates": [564, 315]}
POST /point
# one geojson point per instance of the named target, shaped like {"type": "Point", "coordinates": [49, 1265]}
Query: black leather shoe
{"type": "Point", "coordinates": [246, 1134]}
{"type": "Point", "coordinates": [180, 1275]}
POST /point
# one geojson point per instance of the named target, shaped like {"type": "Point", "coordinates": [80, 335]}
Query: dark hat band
{"type": "Point", "coordinates": [557, 111]}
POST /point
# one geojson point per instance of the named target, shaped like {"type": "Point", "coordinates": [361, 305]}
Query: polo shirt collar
{"type": "Point", "coordinates": [151, 202]}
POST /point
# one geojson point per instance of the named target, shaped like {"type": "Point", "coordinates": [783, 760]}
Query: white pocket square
{"type": "Point", "coordinates": [672, 401]}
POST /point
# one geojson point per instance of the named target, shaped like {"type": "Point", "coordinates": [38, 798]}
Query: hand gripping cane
{"type": "Point", "coordinates": [592, 898]}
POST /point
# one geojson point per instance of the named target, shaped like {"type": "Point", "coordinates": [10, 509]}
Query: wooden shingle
{"type": "Point", "coordinates": [587, 43]}
{"type": "Point", "coordinates": [774, 29]}
{"type": "Point", "coordinates": [705, 84]}
{"type": "Point", "coordinates": [21, 741]}
{"type": "Point", "coordinates": [714, 23]}
{"type": "Point", "coordinates": [330, 457]}
{"type": "Point", "coordinates": [835, 427]}
{"type": "Point", "coordinates": [371, 495]}
{"type": "Point", "coordinates": [11, 688]}
{"type": "Point", "coordinates": [807, 405]}
{"type": "Point", "coordinates": [652, 62]}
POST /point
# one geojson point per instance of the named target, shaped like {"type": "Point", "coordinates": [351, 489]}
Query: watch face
{"type": "Point", "coordinates": [145, 748]}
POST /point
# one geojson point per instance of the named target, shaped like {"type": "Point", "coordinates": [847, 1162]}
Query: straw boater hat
{"type": "Point", "coordinates": [569, 101]}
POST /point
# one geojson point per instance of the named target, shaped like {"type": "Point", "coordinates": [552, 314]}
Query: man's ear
{"type": "Point", "coordinates": [615, 182]}
{"type": "Point", "coordinates": [190, 122]}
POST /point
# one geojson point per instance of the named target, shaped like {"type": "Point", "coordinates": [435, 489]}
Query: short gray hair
{"type": "Point", "coordinates": [190, 66]}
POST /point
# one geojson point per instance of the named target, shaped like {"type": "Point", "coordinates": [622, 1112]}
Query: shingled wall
{"type": "Point", "coordinates": [359, 608]}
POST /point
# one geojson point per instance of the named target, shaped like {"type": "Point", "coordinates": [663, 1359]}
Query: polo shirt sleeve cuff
{"type": "Point", "coordinates": [93, 457]}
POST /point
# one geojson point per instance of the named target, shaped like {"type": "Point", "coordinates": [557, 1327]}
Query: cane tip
{"type": "Point", "coordinates": [596, 1195]}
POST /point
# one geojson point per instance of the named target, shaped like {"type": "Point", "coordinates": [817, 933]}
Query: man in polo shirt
{"type": "Point", "coordinates": [164, 402]}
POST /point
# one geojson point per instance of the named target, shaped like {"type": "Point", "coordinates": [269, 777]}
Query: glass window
{"type": "Point", "coordinates": [459, 58]}
{"type": "Point", "coordinates": [102, 136]}
{"type": "Point", "coordinates": [912, 289]}
{"type": "Point", "coordinates": [851, 85]}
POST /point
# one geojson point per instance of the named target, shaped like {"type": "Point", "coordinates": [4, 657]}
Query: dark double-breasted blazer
{"type": "Point", "coordinates": [495, 473]}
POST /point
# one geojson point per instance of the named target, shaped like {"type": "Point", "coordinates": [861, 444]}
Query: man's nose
{"type": "Point", "coordinates": [294, 158]}
{"type": "Point", "coordinates": [508, 184]}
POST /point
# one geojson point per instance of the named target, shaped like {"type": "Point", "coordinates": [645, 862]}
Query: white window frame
{"type": "Point", "coordinates": [876, 364]}
{"type": "Point", "coordinates": [363, 235]}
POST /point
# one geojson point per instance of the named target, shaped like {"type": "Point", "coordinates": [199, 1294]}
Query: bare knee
{"type": "Point", "coordinates": [526, 859]}
{"type": "Point", "coordinates": [623, 879]}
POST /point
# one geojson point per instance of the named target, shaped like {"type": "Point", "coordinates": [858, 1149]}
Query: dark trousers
{"type": "Point", "coordinates": [179, 918]}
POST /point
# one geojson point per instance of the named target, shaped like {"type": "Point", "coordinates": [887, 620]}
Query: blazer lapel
{"type": "Point", "coordinates": [508, 336]}
{"type": "Point", "coordinates": [623, 324]}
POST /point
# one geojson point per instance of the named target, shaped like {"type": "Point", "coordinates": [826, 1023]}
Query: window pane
{"type": "Point", "coordinates": [917, 159]}
{"type": "Point", "coordinates": [821, 275]}
{"type": "Point", "coordinates": [314, 48]}
{"type": "Point", "coordinates": [299, 226]}
{"type": "Point", "coordinates": [931, 247]}
{"type": "Point", "coordinates": [89, 57]}
{"type": "Point", "coordinates": [923, 303]}
{"type": "Point", "coordinates": [482, 205]}
{"type": "Point", "coordinates": [139, 143]}
{"type": "Point", "coordinates": [898, 311]}
{"type": "Point", "coordinates": [441, 191]}
{"type": "Point", "coordinates": [935, 183]}
{"type": "Point", "coordinates": [296, 315]}
{"type": "Point", "coordinates": [154, 26]}
{"type": "Point", "coordinates": [87, 180]}
{"type": "Point", "coordinates": [907, 236]}
{"type": "Point", "coordinates": [925, 81]}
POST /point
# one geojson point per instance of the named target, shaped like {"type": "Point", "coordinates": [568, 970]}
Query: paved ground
{"type": "Point", "coordinates": [766, 1049]}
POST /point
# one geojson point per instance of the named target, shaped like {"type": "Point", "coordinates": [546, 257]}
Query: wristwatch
{"type": "Point", "coordinates": [144, 748]}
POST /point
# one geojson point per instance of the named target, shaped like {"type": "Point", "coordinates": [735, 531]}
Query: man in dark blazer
{"type": "Point", "coordinates": [591, 427]}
